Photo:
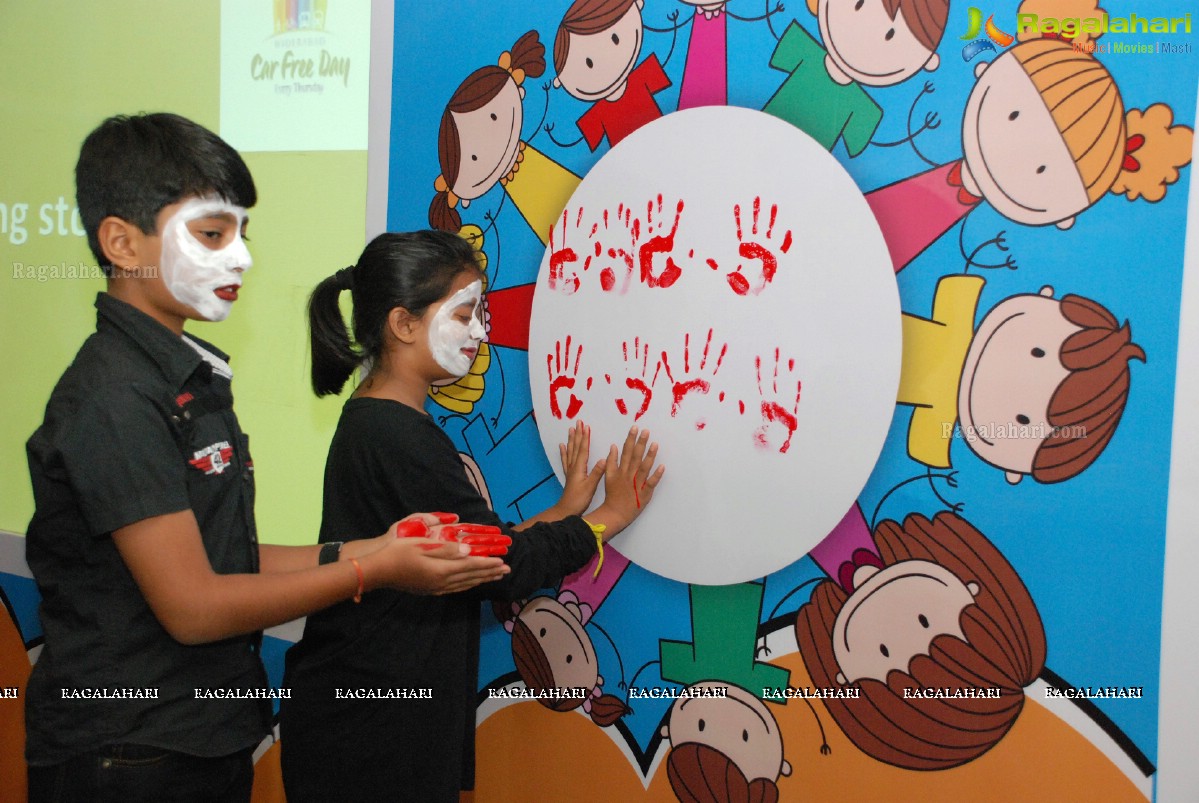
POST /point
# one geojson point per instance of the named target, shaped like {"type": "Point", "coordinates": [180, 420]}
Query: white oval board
{"type": "Point", "coordinates": [718, 278]}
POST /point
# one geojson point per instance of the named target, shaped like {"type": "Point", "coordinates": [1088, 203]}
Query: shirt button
{"type": "Point", "coordinates": [106, 763]}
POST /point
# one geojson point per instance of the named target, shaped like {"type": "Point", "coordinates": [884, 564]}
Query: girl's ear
{"type": "Point", "coordinates": [403, 325]}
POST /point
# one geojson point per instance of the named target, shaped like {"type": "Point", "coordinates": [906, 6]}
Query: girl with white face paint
{"type": "Point", "coordinates": [457, 329]}
{"type": "Point", "coordinates": [418, 318]}
{"type": "Point", "coordinates": [204, 255]}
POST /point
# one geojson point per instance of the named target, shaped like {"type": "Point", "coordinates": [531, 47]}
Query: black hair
{"type": "Point", "coordinates": [132, 167]}
{"type": "Point", "coordinates": [408, 269]}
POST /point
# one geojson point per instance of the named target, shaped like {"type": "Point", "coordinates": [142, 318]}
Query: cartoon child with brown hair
{"type": "Point", "coordinates": [1045, 136]}
{"type": "Point", "coordinates": [479, 145]}
{"type": "Point", "coordinates": [725, 742]}
{"type": "Point", "coordinates": [724, 747]}
{"type": "Point", "coordinates": [595, 55]}
{"type": "Point", "coordinates": [1038, 387]}
{"type": "Point", "coordinates": [928, 606]}
{"type": "Point", "coordinates": [866, 42]}
{"type": "Point", "coordinates": [552, 648]}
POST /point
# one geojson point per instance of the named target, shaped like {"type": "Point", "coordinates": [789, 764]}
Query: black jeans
{"type": "Point", "coordinates": [129, 773]}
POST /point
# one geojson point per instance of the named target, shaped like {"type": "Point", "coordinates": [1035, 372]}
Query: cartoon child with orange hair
{"type": "Point", "coordinates": [866, 42]}
{"type": "Point", "coordinates": [1045, 136]}
{"type": "Point", "coordinates": [479, 145]}
{"type": "Point", "coordinates": [927, 605]}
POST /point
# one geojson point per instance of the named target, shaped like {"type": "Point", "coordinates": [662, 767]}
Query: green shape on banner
{"type": "Point", "coordinates": [724, 633]}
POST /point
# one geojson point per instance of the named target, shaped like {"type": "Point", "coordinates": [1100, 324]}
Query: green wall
{"type": "Point", "coordinates": [68, 65]}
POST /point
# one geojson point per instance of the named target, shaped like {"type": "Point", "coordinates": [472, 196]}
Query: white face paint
{"type": "Point", "coordinates": [456, 331]}
{"type": "Point", "coordinates": [204, 278]}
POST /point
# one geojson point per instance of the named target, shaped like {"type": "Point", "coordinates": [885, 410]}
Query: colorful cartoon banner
{"type": "Point", "coordinates": [982, 618]}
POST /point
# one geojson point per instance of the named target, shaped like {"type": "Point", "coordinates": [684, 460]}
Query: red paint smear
{"type": "Point", "coordinates": [739, 284]}
{"type": "Point", "coordinates": [712, 264]}
{"type": "Point", "coordinates": [786, 242]}
{"type": "Point", "coordinates": [772, 412]}
{"type": "Point", "coordinates": [636, 495]}
{"type": "Point", "coordinates": [681, 389]}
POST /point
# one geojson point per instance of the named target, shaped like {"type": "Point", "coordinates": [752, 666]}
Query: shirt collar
{"type": "Point", "coordinates": [175, 358]}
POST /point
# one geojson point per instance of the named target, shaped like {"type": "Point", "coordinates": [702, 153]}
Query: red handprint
{"type": "Point", "coordinates": [559, 257]}
{"type": "Point", "coordinates": [622, 259]}
{"type": "Point", "coordinates": [557, 364]}
{"type": "Point", "coordinates": [772, 411]}
{"type": "Point", "coordinates": [755, 250]}
{"type": "Point", "coordinates": [683, 387]}
{"type": "Point", "coordinates": [658, 244]}
{"type": "Point", "coordinates": [638, 384]}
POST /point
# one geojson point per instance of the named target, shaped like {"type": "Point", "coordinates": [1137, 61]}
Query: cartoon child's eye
{"type": "Point", "coordinates": [542, 632]}
{"type": "Point", "coordinates": [590, 64]}
{"type": "Point", "coordinates": [745, 736]}
{"type": "Point", "coordinates": [701, 726]}
{"type": "Point", "coordinates": [1041, 169]}
{"type": "Point", "coordinates": [1022, 419]}
{"type": "Point", "coordinates": [1038, 352]}
{"type": "Point", "coordinates": [923, 621]}
{"type": "Point", "coordinates": [883, 649]}
{"type": "Point", "coordinates": [858, 5]}
{"type": "Point", "coordinates": [569, 658]}
{"type": "Point", "coordinates": [890, 34]}
{"type": "Point", "coordinates": [1014, 115]}
{"type": "Point", "coordinates": [615, 39]}
{"type": "Point", "coordinates": [474, 158]}
{"type": "Point", "coordinates": [493, 117]}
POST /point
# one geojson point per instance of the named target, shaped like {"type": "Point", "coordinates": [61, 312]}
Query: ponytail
{"type": "Point", "coordinates": [334, 357]}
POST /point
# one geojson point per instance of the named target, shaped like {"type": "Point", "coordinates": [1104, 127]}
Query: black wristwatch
{"type": "Point", "coordinates": [330, 552]}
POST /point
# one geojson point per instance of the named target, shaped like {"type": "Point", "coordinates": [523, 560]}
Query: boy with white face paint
{"type": "Point", "coordinates": [205, 274]}
{"type": "Point", "coordinates": [143, 542]}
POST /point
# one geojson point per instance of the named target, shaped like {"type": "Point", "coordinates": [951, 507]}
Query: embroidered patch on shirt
{"type": "Point", "coordinates": [213, 459]}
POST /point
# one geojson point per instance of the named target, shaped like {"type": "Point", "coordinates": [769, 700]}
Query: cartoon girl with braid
{"type": "Point", "coordinates": [925, 605]}
{"type": "Point", "coordinates": [1045, 136]}
{"type": "Point", "coordinates": [479, 146]}
{"type": "Point", "coordinates": [552, 647]}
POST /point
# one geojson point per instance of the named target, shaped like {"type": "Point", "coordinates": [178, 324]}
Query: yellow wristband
{"type": "Point", "coordinates": [598, 531]}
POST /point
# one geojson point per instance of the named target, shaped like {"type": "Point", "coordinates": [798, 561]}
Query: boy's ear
{"type": "Point", "coordinates": [121, 242]}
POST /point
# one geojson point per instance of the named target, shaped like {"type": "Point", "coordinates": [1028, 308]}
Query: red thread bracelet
{"type": "Point", "coordinates": [361, 580]}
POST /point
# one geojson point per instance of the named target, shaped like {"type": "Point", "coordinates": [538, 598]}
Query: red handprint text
{"type": "Point", "coordinates": [752, 250]}
{"type": "Point", "coordinates": [563, 377]}
{"type": "Point", "coordinates": [560, 257]}
{"type": "Point", "coordinates": [638, 384]}
{"type": "Point", "coordinates": [682, 386]}
{"type": "Point", "coordinates": [658, 244]}
{"type": "Point", "coordinates": [774, 415]}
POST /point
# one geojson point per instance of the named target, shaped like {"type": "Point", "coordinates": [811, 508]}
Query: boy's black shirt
{"type": "Point", "coordinates": [138, 426]}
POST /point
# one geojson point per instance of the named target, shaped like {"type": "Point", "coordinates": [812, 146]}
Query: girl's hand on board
{"type": "Point", "coordinates": [629, 482]}
{"type": "Point", "coordinates": [581, 483]}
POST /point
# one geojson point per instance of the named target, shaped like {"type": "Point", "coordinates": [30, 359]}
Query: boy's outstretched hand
{"type": "Point", "coordinates": [629, 482]}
